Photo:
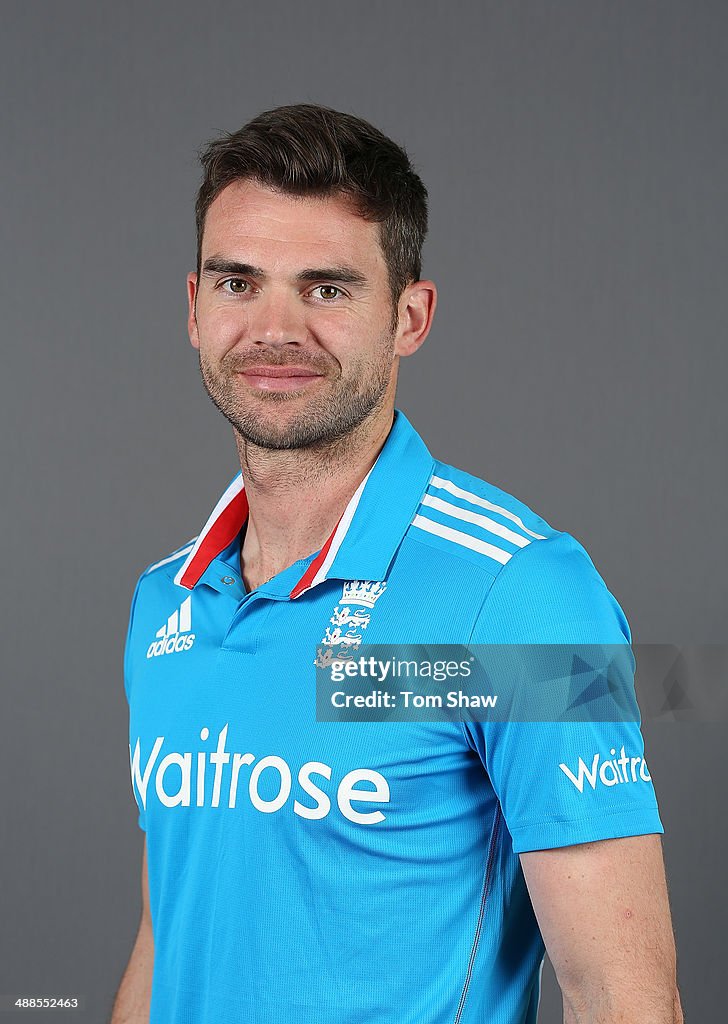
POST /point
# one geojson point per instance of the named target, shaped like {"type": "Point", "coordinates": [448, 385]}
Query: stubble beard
{"type": "Point", "coordinates": [327, 418]}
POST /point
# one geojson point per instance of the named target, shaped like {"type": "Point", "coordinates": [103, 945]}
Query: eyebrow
{"type": "Point", "coordinates": [343, 274]}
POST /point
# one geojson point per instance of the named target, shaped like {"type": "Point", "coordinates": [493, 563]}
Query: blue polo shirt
{"type": "Point", "coordinates": [319, 872]}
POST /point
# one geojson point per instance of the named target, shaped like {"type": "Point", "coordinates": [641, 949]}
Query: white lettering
{"type": "Point", "coordinates": [268, 806]}
{"type": "Point", "coordinates": [201, 779]}
{"type": "Point", "coordinates": [584, 773]}
{"type": "Point", "coordinates": [143, 781]}
{"type": "Point", "coordinates": [346, 793]}
{"type": "Point", "coordinates": [182, 796]}
{"type": "Point", "coordinates": [238, 761]}
{"type": "Point", "coordinates": [219, 759]}
{"type": "Point", "coordinates": [610, 773]}
{"type": "Point", "coordinates": [171, 644]}
{"type": "Point", "coordinates": [349, 790]}
{"type": "Point", "coordinates": [323, 804]}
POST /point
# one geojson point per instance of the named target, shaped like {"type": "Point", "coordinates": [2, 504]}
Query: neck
{"type": "Point", "coordinates": [295, 498]}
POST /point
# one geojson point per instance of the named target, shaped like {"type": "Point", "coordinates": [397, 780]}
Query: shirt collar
{"type": "Point", "coordinates": [364, 541]}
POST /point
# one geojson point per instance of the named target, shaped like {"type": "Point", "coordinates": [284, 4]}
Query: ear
{"type": "Point", "coordinates": [416, 309]}
{"type": "Point", "coordinates": [191, 317]}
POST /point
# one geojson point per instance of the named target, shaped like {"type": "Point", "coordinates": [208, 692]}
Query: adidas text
{"type": "Point", "coordinates": [176, 634]}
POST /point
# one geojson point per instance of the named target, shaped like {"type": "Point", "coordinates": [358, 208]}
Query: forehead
{"type": "Point", "coordinates": [248, 220]}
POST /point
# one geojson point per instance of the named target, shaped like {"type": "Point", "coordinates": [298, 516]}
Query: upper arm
{"type": "Point", "coordinates": [603, 911]}
{"type": "Point", "coordinates": [565, 755]}
{"type": "Point", "coordinates": [576, 794]}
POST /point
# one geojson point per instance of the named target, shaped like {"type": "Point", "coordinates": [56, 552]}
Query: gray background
{"type": "Point", "coordinates": [576, 158]}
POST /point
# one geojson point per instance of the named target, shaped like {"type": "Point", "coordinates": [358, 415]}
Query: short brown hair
{"type": "Point", "coordinates": [306, 149]}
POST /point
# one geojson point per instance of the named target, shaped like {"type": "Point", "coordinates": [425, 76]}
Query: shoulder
{"type": "Point", "coordinates": [467, 494]}
{"type": "Point", "coordinates": [157, 605]}
{"type": "Point", "coordinates": [155, 585]}
{"type": "Point", "coordinates": [167, 565]}
{"type": "Point", "coordinates": [538, 583]}
{"type": "Point", "coordinates": [471, 520]}
{"type": "Point", "coordinates": [158, 576]}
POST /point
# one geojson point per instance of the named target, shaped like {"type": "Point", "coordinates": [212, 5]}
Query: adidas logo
{"type": "Point", "coordinates": [176, 634]}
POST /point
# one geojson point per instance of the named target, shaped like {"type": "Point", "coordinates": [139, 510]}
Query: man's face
{"type": "Point", "coordinates": [292, 316]}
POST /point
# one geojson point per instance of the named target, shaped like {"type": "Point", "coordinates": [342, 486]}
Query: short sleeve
{"type": "Point", "coordinates": [562, 782]}
{"type": "Point", "coordinates": [129, 689]}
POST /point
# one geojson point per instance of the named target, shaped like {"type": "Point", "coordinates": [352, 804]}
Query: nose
{"type": "Point", "coordinates": [276, 319]}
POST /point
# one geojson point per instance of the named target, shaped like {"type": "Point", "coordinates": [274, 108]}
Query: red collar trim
{"type": "Point", "coordinates": [307, 580]}
{"type": "Point", "coordinates": [225, 523]}
{"type": "Point", "coordinates": [215, 537]}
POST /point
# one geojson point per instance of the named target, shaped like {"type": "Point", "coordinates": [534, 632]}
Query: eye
{"type": "Point", "coordinates": [325, 291]}
{"type": "Point", "coordinates": [237, 286]}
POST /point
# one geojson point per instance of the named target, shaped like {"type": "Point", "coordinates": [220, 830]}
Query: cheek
{"type": "Point", "coordinates": [219, 328]}
{"type": "Point", "coordinates": [360, 334]}
{"type": "Point", "coordinates": [371, 357]}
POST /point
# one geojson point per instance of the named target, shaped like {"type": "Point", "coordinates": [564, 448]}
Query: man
{"type": "Point", "coordinates": [383, 872]}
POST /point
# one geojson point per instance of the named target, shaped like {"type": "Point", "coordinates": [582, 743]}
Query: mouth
{"type": "Point", "coordinates": [280, 378]}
